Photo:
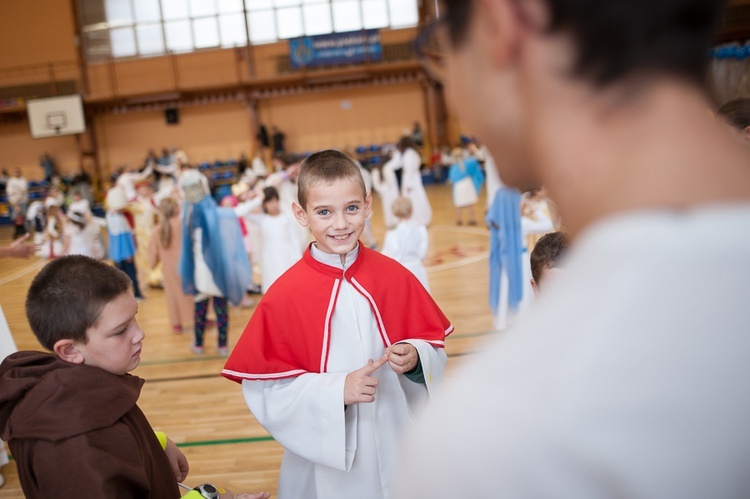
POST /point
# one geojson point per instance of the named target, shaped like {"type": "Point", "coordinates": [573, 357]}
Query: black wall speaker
{"type": "Point", "coordinates": [171, 116]}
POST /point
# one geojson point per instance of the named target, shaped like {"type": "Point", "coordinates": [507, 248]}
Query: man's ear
{"type": "Point", "coordinates": [505, 22]}
{"type": "Point", "coordinates": [68, 351]}
{"type": "Point", "coordinates": [299, 214]}
{"type": "Point", "coordinates": [746, 133]}
{"type": "Point", "coordinates": [534, 287]}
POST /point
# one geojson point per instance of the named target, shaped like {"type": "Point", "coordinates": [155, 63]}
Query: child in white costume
{"type": "Point", "coordinates": [385, 183]}
{"type": "Point", "coordinates": [305, 360]}
{"type": "Point", "coordinates": [411, 181]}
{"type": "Point", "coordinates": [408, 242]}
{"type": "Point", "coordinates": [279, 238]}
{"type": "Point", "coordinates": [82, 235]}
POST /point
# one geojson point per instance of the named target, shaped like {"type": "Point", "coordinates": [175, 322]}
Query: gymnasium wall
{"type": "Point", "coordinates": [206, 133]}
{"type": "Point", "coordinates": [312, 121]}
{"type": "Point", "coordinates": [20, 150]}
{"type": "Point", "coordinates": [40, 34]}
{"type": "Point", "coordinates": [36, 32]}
{"type": "Point", "coordinates": [345, 118]}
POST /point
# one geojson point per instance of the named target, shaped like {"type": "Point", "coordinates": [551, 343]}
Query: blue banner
{"type": "Point", "coordinates": [335, 48]}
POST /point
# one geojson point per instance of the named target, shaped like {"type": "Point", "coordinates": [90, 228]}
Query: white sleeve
{"type": "Point", "coordinates": [275, 179]}
{"type": "Point", "coordinates": [306, 416]}
{"type": "Point", "coordinates": [390, 244]}
{"type": "Point", "coordinates": [424, 241]}
{"type": "Point", "coordinates": [376, 183]}
{"type": "Point", "coordinates": [433, 365]}
{"type": "Point", "coordinates": [246, 207]}
{"type": "Point", "coordinates": [410, 178]}
{"type": "Point", "coordinates": [99, 221]}
{"type": "Point", "coordinates": [540, 226]}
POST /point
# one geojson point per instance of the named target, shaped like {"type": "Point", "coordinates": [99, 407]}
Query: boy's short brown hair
{"type": "Point", "coordinates": [326, 166]}
{"type": "Point", "coordinates": [67, 296]}
{"type": "Point", "coordinates": [547, 253]}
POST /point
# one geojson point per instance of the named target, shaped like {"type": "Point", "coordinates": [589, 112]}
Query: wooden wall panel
{"type": "Point", "coordinates": [20, 150]}
{"type": "Point", "coordinates": [345, 118]}
{"type": "Point", "coordinates": [36, 32]}
{"type": "Point", "coordinates": [206, 133]}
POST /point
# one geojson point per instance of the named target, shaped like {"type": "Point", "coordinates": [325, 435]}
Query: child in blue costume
{"type": "Point", "coordinates": [121, 241]}
{"type": "Point", "coordinates": [213, 262]}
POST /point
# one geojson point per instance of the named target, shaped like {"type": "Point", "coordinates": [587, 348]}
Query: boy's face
{"type": "Point", "coordinates": [115, 340]}
{"type": "Point", "coordinates": [335, 214]}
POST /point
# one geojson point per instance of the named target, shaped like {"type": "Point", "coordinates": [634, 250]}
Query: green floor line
{"type": "Point", "coordinates": [200, 443]}
{"type": "Point", "coordinates": [247, 440]}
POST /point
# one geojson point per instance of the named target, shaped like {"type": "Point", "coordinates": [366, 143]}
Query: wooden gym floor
{"type": "Point", "coordinates": [205, 414]}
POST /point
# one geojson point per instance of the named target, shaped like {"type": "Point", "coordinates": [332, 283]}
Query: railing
{"type": "Point", "coordinates": [39, 80]}
{"type": "Point", "coordinates": [162, 76]}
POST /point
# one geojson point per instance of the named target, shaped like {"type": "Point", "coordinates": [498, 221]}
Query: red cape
{"type": "Point", "coordinates": [289, 333]}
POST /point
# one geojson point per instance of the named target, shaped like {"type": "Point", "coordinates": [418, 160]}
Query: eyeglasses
{"type": "Point", "coordinates": [430, 46]}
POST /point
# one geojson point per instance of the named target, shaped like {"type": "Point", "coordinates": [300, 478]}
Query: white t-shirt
{"type": "Point", "coordinates": [629, 379]}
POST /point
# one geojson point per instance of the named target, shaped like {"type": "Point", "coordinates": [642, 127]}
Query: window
{"type": "Point", "coordinates": [131, 28]}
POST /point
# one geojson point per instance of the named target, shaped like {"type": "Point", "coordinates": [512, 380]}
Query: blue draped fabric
{"type": "Point", "coordinates": [121, 241]}
{"type": "Point", "coordinates": [222, 246]}
{"type": "Point", "coordinates": [506, 246]}
{"type": "Point", "coordinates": [471, 169]}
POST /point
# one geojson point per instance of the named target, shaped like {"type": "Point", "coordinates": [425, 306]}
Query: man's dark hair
{"type": "Point", "coordinates": [620, 38]}
{"type": "Point", "coordinates": [547, 253]}
{"type": "Point", "coordinates": [736, 112]}
{"type": "Point", "coordinates": [67, 296]}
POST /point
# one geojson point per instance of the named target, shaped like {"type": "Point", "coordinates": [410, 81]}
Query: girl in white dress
{"type": "Point", "coordinates": [407, 243]}
{"type": "Point", "coordinates": [279, 238]}
{"type": "Point", "coordinates": [53, 244]}
{"type": "Point", "coordinates": [411, 181]}
{"type": "Point", "coordinates": [82, 236]}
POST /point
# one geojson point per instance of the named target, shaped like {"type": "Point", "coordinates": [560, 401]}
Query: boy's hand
{"type": "Point", "coordinates": [178, 460]}
{"type": "Point", "coordinates": [359, 385]}
{"type": "Point", "coordinates": [402, 357]}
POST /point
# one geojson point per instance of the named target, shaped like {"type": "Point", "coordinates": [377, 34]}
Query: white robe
{"type": "Point", "coordinates": [412, 187]}
{"type": "Point", "coordinates": [287, 190]}
{"type": "Point", "coordinates": [331, 452]}
{"type": "Point", "coordinates": [407, 244]}
{"type": "Point", "coordinates": [279, 243]}
{"type": "Point", "coordinates": [386, 185]}
{"type": "Point", "coordinates": [628, 379]}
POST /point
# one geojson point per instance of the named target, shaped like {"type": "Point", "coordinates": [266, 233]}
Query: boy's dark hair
{"type": "Point", "coordinates": [270, 193]}
{"type": "Point", "coordinates": [736, 112]}
{"type": "Point", "coordinates": [326, 166]}
{"type": "Point", "coordinates": [287, 159]}
{"type": "Point", "coordinates": [547, 253]}
{"type": "Point", "coordinates": [406, 142]}
{"type": "Point", "coordinates": [67, 296]}
{"type": "Point", "coordinates": [619, 38]}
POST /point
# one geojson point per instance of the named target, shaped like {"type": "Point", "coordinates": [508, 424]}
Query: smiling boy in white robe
{"type": "Point", "coordinates": [305, 359]}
